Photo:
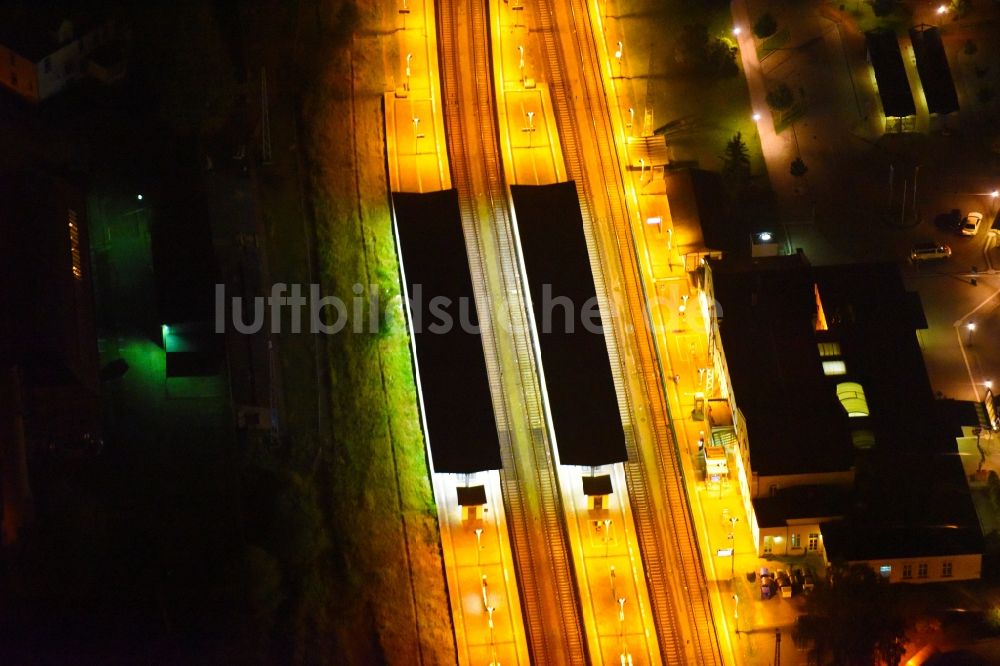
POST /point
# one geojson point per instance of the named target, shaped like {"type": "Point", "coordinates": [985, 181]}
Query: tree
{"type": "Point", "coordinates": [195, 85]}
{"type": "Point", "coordinates": [736, 161]}
{"type": "Point", "coordinates": [852, 619]}
{"type": "Point", "coordinates": [993, 488]}
{"type": "Point", "coordinates": [765, 25]}
{"type": "Point", "coordinates": [799, 167]}
{"type": "Point", "coordinates": [883, 7]}
{"type": "Point", "coordinates": [960, 8]}
{"type": "Point", "coordinates": [780, 99]}
{"type": "Point", "coordinates": [699, 54]}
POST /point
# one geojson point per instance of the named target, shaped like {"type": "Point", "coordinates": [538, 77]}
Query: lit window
{"type": "Point", "coordinates": [813, 541]}
{"type": "Point", "coordinates": [922, 570]}
{"type": "Point", "coordinates": [907, 571]}
{"type": "Point", "coordinates": [74, 246]}
{"type": "Point", "coordinates": [885, 570]}
{"type": "Point", "coordinates": [795, 541]}
{"type": "Point", "coordinates": [834, 368]}
{"type": "Point", "coordinates": [852, 397]}
{"type": "Point", "coordinates": [827, 349]}
{"type": "Point", "coordinates": [946, 569]}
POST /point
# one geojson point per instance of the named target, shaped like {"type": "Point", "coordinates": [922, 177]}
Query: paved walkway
{"type": "Point", "coordinates": [481, 574]}
{"type": "Point", "coordinates": [415, 142]}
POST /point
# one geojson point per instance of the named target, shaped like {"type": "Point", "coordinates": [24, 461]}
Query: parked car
{"type": "Point", "coordinates": [797, 577]}
{"type": "Point", "coordinates": [929, 251]}
{"type": "Point", "coordinates": [766, 584]}
{"type": "Point", "coordinates": [784, 583]}
{"type": "Point", "coordinates": [970, 224]}
{"type": "Point", "coordinates": [808, 582]}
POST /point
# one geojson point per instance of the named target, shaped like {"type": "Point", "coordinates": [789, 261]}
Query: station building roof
{"type": "Point", "coordinates": [932, 66]}
{"type": "Point", "coordinates": [799, 503]}
{"type": "Point", "coordinates": [454, 385]}
{"type": "Point", "coordinates": [847, 542]}
{"type": "Point", "coordinates": [890, 74]}
{"type": "Point", "coordinates": [578, 379]}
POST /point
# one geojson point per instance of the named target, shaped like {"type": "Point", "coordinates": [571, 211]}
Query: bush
{"type": "Point", "coordinates": [780, 98]}
{"type": "Point", "coordinates": [883, 7]}
{"type": "Point", "coordinates": [765, 26]}
{"type": "Point", "coordinates": [696, 52]}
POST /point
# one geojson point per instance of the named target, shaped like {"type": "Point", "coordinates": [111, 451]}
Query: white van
{"type": "Point", "coordinates": [929, 252]}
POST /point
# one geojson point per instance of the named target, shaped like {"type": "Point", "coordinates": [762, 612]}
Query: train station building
{"type": "Point", "coordinates": [833, 419]}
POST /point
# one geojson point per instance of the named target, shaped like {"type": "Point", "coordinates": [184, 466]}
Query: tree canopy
{"type": "Point", "coordinates": [765, 25]}
{"type": "Point", "coordinates": [698, 53]}
{"type": "Point", "coordinates": [736, 160]}
{"type": "Point", "coordinates": [852, 619]}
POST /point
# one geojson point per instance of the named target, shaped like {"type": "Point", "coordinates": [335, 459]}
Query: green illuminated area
{"type": "Point", "coordinates": [383, 504]}
{"type": "Point", "coordinates": [380, 587]}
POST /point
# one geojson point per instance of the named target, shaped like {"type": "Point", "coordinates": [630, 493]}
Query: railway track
{"type": "Point", "coordinates": [666, 538]}
{"type": "Point", "coordinates": [546, 582]}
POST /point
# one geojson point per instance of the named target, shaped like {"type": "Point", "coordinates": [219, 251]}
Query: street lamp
{"type": "Point", "coordinates": [618, 56]}
{"type": "Point", "coordinates": [971, 326]}
{"type": "Point", "coordinates": [756, 117]}
{"type": "Point", "coordinates": [732, 544]}
{"type": "Point", "coordinates": [614, 595]}
{"type": "Point", "coordinates": [409, 57]}
{"type": "Point", "coordinates": [607, 535]}
{"type": "Point", "coordinates": [529, 128]}
{"type": "Point", "coordinates": [737, 30]}
{"type": "Point", "coordinates": [520, 53]}
{"type": "Point", "coordinates": [942, 9]}
{"type": "Point", "coordinates": [988, 383]}
{"type": "Point", "coordinates": [479, 544]}
{"type": "Point", "coordinates": [404, 11]}
{"type": "Point", "coordinates": [736, 611]}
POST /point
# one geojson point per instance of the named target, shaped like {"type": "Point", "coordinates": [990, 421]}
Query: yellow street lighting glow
{"type": "Point", "coordinates": [971, 326]}
{"type": "Point", "coordinates": [942, 9]}
{"type": "Point", "coordinates": [756, 117]}
{"type": "Point", "coordinates": [737, 30]}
